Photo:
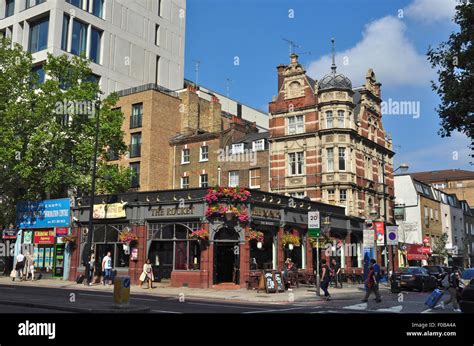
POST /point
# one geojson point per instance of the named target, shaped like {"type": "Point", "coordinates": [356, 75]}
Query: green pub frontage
{"type": "Point", "coordinates": [43, 225]}
{"type": "Point", "coordinates": [211, 238]}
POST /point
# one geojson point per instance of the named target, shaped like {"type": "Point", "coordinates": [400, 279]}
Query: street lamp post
{"type": "Point", "coordinates": [87, 245]}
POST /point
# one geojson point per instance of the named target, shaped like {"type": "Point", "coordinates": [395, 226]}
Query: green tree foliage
{"type": "Point", "coordinates": [454, 61]}
{"type": "Point", "coordinates": [439, 248]}
{"type": "Point", "coordinates": [47, 130]}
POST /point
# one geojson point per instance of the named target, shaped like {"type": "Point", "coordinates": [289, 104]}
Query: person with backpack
{"type": "Point", "coordinates": [454, 289]}
{"type": "Point", "coordinates": [372, 285]}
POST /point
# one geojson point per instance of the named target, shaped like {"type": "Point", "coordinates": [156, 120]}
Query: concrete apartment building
{"type": "Point", "coordinates": [184, 140]}
{"type": "Point", "coordinates": [457, 181]}
{"type": "Point", "coordinates": [328, 142]}
{"type": "Point", "coordinates": [129, 43]}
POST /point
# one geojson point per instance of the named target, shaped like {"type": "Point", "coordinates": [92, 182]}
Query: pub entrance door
{"type": "Point", "coordinates": [226, 257]}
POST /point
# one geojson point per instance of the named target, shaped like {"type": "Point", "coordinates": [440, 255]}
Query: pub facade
{"type": "Point", "coordinates": [210, 238]}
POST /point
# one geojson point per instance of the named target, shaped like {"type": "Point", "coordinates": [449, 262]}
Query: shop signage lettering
{"type": "Point", "coordinates": [42, 214]}
{"type": "Point", "coordinates": [9, 234]}
{"type": "Point", "coordinates": [109, 211]}
{"type": "Point", "coordinates": [44, 237]}
{"type": "Point", "coordinates": [172, 211]}
{"type": "Point", "coordinates": [267, 213]}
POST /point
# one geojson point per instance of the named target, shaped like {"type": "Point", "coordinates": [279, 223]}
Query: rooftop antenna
{"type": "Point", "coordinates": [292, 44]}
{"type": "Point", "coordinates": [333, 67]}
{"type": "Point", "coordinates": [196, 69]}
{"type": "Point", "coordinates": [227, 83]}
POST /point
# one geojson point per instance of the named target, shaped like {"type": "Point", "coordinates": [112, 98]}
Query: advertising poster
{"type": "Point", "coordinates": [44, 214]}
{"type": "Point", "coordinates": [47, 262]}
{"type": "Point", "coordinates": [41, 258]}
{"type": "Point", "coordinates": [46, 236]}
{"type": "Point", "coordinates": [379, 233]}
{"type": "Point", "coordinates": [36, 256]}
{"type": "Point", "coordinates": [27, 237]}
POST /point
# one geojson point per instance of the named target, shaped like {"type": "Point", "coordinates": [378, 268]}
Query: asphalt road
{"type": "Point", "coordinates": [67, 299]}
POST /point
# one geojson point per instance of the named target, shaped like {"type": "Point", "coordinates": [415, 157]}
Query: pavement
{"type": "Point", "coordinates": [60, 296]}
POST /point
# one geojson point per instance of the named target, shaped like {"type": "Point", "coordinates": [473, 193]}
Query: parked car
{"type": "Point", "coordinates": [466, 303]}
{"type": "Point", "coordinates": [467, 275]}
{"type": "Point", "coordinates": [417, 278]}
{"type": "Point", "coordinates": [437, 271]}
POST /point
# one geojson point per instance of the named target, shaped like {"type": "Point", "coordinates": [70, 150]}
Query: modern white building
{"type": "Point", "coordinates": [129, 43]}
{"type": "Point", "coordinates": [407, 199]}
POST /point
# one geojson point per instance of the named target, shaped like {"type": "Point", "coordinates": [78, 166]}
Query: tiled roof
{"type": "Point", "coordinates": [443, 175]}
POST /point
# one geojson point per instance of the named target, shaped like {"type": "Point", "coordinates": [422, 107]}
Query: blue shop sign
{"type": "Point", "coordinates": [44, 214]}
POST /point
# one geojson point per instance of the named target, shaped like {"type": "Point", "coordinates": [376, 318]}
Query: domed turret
{"type": "Point", "coordinates": [334, 79]}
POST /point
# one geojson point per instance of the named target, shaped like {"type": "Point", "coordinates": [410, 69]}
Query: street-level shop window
{"type": "Point", "coordinates": [262, 258]}
{"type": "Point", "coordinates": [106, 238]}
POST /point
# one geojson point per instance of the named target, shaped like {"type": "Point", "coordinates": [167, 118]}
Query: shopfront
{"type": "Point", "coordinates": [417, 255]}
{"type": "Point", "coordinates": [44, 223]}
{"type": "Point", "coordinates": [200, 238]}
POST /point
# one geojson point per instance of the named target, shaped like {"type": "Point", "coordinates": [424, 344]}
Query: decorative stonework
{"type": "Point", "coordinates": [296, 181]}
{"type": "Point", "coordinates": [329, 139]}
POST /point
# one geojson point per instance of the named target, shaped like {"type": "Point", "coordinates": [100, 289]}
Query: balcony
{"type": "Point", "coordinates": [135, 121]}
{"type": "Point", "coordinates": [112, 155]}
{"type": "Point", "coordinates": [135, 150]}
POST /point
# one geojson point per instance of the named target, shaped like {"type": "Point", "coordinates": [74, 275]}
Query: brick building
{"type": "Point", "coordinates": [457, 181]}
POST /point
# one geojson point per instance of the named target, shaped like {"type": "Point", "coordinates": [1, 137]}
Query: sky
{"type": "Point", "coordinates": [239, 43]}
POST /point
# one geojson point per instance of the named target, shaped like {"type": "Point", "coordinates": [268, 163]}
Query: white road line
{"type": "Point", "coordinates": [166, 312]}
{"type": "Point", "coordinates": [361, 306]}
{"type": "Point", "coordinates": [276, 310]}
{"type": "Point", "coordinates": [396, 309]}
{"type": "Point", "coordinates": [93, 295]}
{"type": "Point", "coordinates": [427, 311]}
{"type": "Point", "coordinates": [229, 306]}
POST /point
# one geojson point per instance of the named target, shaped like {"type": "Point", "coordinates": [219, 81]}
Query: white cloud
{"type": "Point", "coordinates": [431, 10]}
{"type": "Point", "coordinates": [385, 48]}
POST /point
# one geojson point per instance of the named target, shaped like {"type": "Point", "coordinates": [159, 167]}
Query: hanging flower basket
{"type": "Point", "coordinates": [290, 239]}
{"type": "Point", "coordinates": [70, 242]}
{"type": "Point", "coordinates": [128, 238]}
{"type": "Point", "coordinates": [199, 234]}
{"type": "Point", "coordinates": [223, 210]}
{"type": "Point", "coordinates": [235, 194]}
{"type": "Point", "coordinates": [255, 235]}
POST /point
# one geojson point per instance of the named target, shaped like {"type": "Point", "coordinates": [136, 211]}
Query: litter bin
{"type": "Point", "coordinates": [121, 290]}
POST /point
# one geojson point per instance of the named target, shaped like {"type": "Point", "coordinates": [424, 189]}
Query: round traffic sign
{"type": "Point", "coordinates": [392, 235]}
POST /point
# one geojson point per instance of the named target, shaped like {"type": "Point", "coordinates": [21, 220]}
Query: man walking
{"type": "Point", "coordinates": [325, 279]}
{"type": "Point", "coordinates": [454, 290]}
{"type": "Point", "coordinates": [107, 268]}
{"type": "Point", "coordinates": [372, 284]}
{"type": "Point", "coordinates": [337, 273]}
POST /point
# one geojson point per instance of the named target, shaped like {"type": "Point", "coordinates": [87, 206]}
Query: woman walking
{"type": "Point", "coordinates": [325, 279]}
{"type": "Point", "coordinates": [147, 274]}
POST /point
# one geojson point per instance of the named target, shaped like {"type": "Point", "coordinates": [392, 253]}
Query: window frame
{"type": "Point", "coordinates": [185, 152]}
{"type": "Point", "coordinates": [339, 118]}
{"type": "Point", "coordinates": [297, 161]}
{"type": "Point", "coordinates": [183, 184]}
{"type": "Point", "coordinates": [134, 123]}
{"type": "Point", "coordinates": [203, 153]}
{"type": "Point", "coordinates": [34, 24]}
{"type": "Point", "coordinates": [203, 183]}
{"type": "Point", "coordinates": [329, 120]}
{"type": "Point", "coordinates": [330, 159]}
{"type": "Point", "coordinates": [238, 151]}
{"type": "Point", "coordinates": [258, 145]}
{"type": "Point", "coordinates": [233, 175]}
{"type": "Point", "coordinates": [259, 177]}
{"type": "Point", "coordinates": [342, 159]}
{"type": "Point", "coordinates": [135, 179]}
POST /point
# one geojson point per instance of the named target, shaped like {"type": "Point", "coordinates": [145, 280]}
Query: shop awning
{"type": "Point", "coordinates": [417, 252]}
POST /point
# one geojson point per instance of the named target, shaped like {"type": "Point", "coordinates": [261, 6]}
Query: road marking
{"type": "Point", "coordinates": [93, 295]}
{"type": "Point", "coordinates": [166, 312]}
{"type": "Point", "coordinates": [395, 309]}
{"type": "Point", "coordinates": [427, 311]}
{"type": "Point", "coordinates": [276, 310]}
{"type": "Point", "coordinates": [325, 311]}
{"type": "Point", "coordinates": [229, 306]}
{"type": "Point", "coordinates": [6, 288]}
{"type": "Point", "coordinates": [361, 306]}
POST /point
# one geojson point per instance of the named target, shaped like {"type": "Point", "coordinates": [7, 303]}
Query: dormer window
{"type": "Point", "coordinates": [258, 145]}
{"type": "Point", "coordinates": [238, 148]}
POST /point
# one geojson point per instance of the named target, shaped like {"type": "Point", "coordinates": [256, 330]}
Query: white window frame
{"type": "Point", "coordinates": [201, 152]}
{"type": "Point", "coordinates": [333, 194]}
{"type": "Point", "coordinates": [237, 148]}
{"type": "Point", "coordinates": [233, 178]}
{"type": "Point", "coordinates": [201, 180]}
{"type": "Point", "coordinates": [339, 117]}
{"type": "Point", "coordinates": [182, 182]}
{"type": "Point", "coordinates": [183, 156]}
{"type": "Point", "coordinates": [339, 158]}
{"type": "Point", "coordinates": [341, 192]}
{"type": "Point", "coordinates": [330, 159]}
{"type": "Point", "coordinates": [298, 159]}
{"type": "Point", "coordinates": [258, 145]}
{"type": "Point", "coordinates": [254, 177]}
{"type": "Point", "coordinates": [329, 125]}
{"type": "Point", "coordinates": [295, 124]}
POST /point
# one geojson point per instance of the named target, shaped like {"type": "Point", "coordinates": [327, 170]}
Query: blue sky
{"type": "Point", "coordinates": [390, 36]}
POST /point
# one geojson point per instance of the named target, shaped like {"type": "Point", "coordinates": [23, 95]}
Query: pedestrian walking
{"type": "Point", "coordinates": [147, 274]}
{"type": "Point", "coordinates": [325, 279]}
{"type": "Point", "coordinates": [20, 265]}
{"type": "Point", "coordinates": [30, 268]}
{"type": "Point", "coordinates": [90, 269]}
{"type": "Point", "coordinates": [454, 290]}
{"type": "Point", "coordinates": [371, 285]}
{"type": "Point", "coordinates": [336, 270]}
{"type": "Point", "coordinates": [107, 268]}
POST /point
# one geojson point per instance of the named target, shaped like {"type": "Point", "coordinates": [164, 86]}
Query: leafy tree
{"type": "Point", "coordinates": [439, 247]}
{"type": "Point", "coordinates": [454, 61]}
{"type": "Point", "coordinates": [47, 133]}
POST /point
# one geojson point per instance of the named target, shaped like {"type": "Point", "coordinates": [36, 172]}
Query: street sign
{"type": "Point", "coordinates": [392, 235]}
{"type": "Point", "coordinates": [314, 229]}
{"type": "Point", "coordinates": [368, 240]}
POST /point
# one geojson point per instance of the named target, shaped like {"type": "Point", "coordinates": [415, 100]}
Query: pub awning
{"type": "Point", "coordinates": [417, 252]}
